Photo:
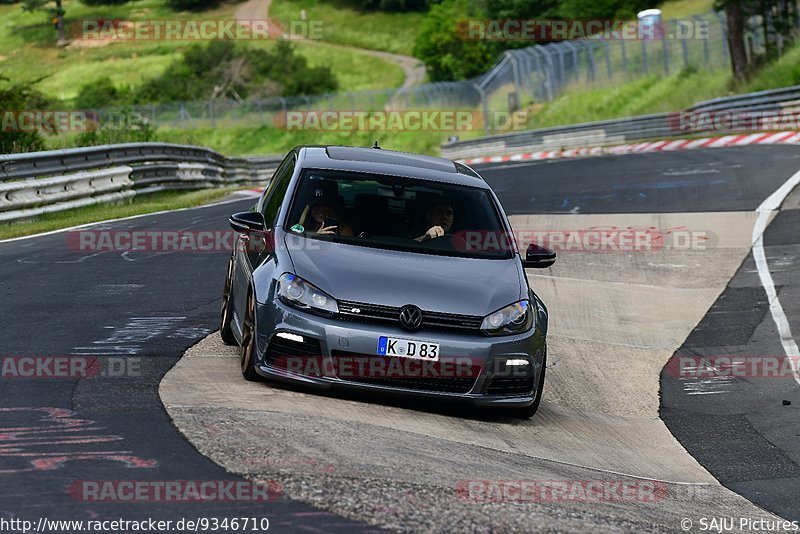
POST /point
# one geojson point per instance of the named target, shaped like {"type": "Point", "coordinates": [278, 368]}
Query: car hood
{"type": "Point", "coordinates": [394, 278]}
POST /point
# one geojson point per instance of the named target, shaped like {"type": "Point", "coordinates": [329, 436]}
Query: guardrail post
{"type": "Point", "coordinates": [665, 52]}
{"type": "Point", "coordinates": [609, 70]}
{"type": "Point", "coordinates": [551, 73]}
{"type": "Point", "coordinates": [685, 48]}
{"type": "Point", "coordinates": [645, 67]}
{"type": "Point", "coordinates": [211, 112]}
{"type": "Point", "coordinates": [624, 57]}
{"type": "Point", "coordinates": [484, 108]}
{"type": "Point", "coordinates": [515, 72]}
{"type": "Point", "coordinates": [589, 47]}
{"type": "Point", "coordinates": [724, 27]}
{"type": "Point", "coordinates": [562, 75]}
{"type": "Point", "coordinates": [706, 57]}
{"type": "Point", "coordinates": [182, 115]}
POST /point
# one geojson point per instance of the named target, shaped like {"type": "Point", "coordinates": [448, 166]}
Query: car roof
{"type": "Point", "coordinates": [388, 162]}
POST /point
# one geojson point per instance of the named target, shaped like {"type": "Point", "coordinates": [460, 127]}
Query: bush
{"type": "Point", "coordinates": [389, 5]}
{"type": "Point", "coordinates": [15, 98]}
{"type": "Point", "coordinates": [134, 128]}
{"type": "Point", "coordinates": [191, 5]}
{"type": "Point", "coordinates": [221, 70]}
{"type": "Point", "coordinates": [100, 94]}
{"type": "Point", "coordinates": [103, 2]}
{"type": "Point", "coordinates": [444, 49]}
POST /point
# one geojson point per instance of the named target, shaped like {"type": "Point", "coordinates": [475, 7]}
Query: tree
{"type": "Point", "coordinates": [778, 23]}
{"type": "Point", "coordinates": [19, 96]}
{"type": "Point", "coordinates": [223, 70]}
{"type": "Point", "coordinates": [56, 10]}
{"type": "Point", "coordinates": [736, 13]}
{"type": "Point", "coordinates": [601, 9]}
{"type": "Point", "coordinates": [446, 49]}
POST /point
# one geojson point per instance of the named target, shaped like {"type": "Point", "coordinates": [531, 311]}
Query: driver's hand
{"type": "Point", "coordinates": [434, 232]}
{"type": "Point", "coordinates": [327, 230]}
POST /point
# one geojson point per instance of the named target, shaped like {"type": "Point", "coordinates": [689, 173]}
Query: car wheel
{"type": "Point", "coordinates": [225, 330]}
{"type": "Point", "coordinates": [530, 411]}
{"type": "Point", "coordinates": [248, 359]}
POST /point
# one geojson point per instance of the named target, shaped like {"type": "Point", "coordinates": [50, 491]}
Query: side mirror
{"type": "Point", "coordinates": [247, 221]}
{"type": "Point", "coordinates": [538, 257]}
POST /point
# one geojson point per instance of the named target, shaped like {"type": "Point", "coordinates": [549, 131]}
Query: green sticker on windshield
{"type": "Point", "coordinates": [298, 228]}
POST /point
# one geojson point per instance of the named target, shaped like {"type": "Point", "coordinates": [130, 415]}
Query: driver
{"type": "Point", "coordinates": [320, 214]}
{"type": "Point", "coordinates": [323, 209]}
{"type": "Point", "coordinates": [440, 218]}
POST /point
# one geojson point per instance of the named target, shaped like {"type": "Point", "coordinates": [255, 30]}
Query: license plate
{"type": "Point", "coordinates": [408, 348]}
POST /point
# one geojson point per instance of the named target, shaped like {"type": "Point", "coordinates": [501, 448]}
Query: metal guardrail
{"type": "Point", "coordinates": [44, 182]}
{"type": "Point", "coordinates": [626, 130]}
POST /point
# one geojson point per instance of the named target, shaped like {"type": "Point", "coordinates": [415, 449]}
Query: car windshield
{"type": "Point", "coordinates": [398, 213]}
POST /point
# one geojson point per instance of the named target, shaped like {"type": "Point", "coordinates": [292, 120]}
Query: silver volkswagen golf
{"type": "Point", "coordinates": [387, 272]}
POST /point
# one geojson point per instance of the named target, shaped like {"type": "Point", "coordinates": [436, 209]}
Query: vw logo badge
{"type": "Point", "coordinates": [410, 317]}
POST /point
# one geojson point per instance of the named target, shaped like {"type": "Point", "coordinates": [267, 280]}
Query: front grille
{"type": "Point", "coordinates": [373, 313]}
{"type": "Point", "coordinates": [392, 372]}
{"type": "Point", "coordinates": [284, 352]}
{"type": "Point", "coordinates": [510, 380]}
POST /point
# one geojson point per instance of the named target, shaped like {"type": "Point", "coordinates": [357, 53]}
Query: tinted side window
{"type": "Point", "coordinates": [272, 204]}
{"type": "Point", "coordinates": [274, 180]}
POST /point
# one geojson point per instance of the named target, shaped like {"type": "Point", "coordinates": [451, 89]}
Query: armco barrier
{"type": "Point", "coordinates": [43, 182]}
{"type": "Point", "coordinates": [620, 131]}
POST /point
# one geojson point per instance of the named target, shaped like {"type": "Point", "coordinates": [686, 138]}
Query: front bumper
{"type": "Point", "coordinates": [337, 336]}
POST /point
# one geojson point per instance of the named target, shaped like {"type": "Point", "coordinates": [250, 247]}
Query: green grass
{"type": "Point", "coordinates": [266, 140]}
{"type": "Point", "coordinates": [167, 200]}
{"type": "Point", "coordinates": [341, 24]}
{"type": "Point", "coordinates": [28, 50]}
{"type": "Point", "coordinates": [655, 94]}
{"type": "Point", "coordinates": [354, 70]}
{"type": "Point", "coordinates": [651, 94]}
{"type": "Point", "coordinates": [785, 71]}
{"type": "Point", "coordinates": [122, 71]}
{"type": "Point", "coordinates": [27, 41]}
{"type": "Point", "coordinates": [681, 9]}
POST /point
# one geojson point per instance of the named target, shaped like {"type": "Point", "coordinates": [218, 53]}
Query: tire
{"type": "Point", "coordinates": [225, 330]}
{"type": "Point", "coordinates": [530, 411]}
{"type": "Point", "coordinates": [248, 360]}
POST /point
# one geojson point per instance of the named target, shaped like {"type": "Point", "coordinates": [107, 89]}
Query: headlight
{"type": "Point", "coordinates": [513, 319]}
{"type": "Point", "coordinates": [301, 294]}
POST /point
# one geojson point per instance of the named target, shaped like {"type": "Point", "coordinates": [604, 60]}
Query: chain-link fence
{"type": "Point", "coordinates": [520, 77]}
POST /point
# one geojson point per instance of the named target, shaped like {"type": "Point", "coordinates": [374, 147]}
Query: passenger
{"type": "Point", "coordinates": [322, 210]}
{"type": "Point", "coordinates": [440, 218]}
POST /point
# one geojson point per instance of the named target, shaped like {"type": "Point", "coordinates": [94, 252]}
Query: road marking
{"type": "Point", "coordinates": [772, 203]}
{"type": "Point", "coordinates": [668, 145]}
{"type": "Point", "coordinates": [131, 217]}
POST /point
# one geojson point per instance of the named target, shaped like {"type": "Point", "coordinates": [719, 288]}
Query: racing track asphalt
{"type": "Point", "coordinates": [744, 430]}
{"type": "Point", "coordinates": [144, 308]}
{"type": "Point", "coordinates": [739, 427]}
{"type": "Point", "coordinates": [153, 306]}
{"type": "Point", "coordinates": [616, 319]}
